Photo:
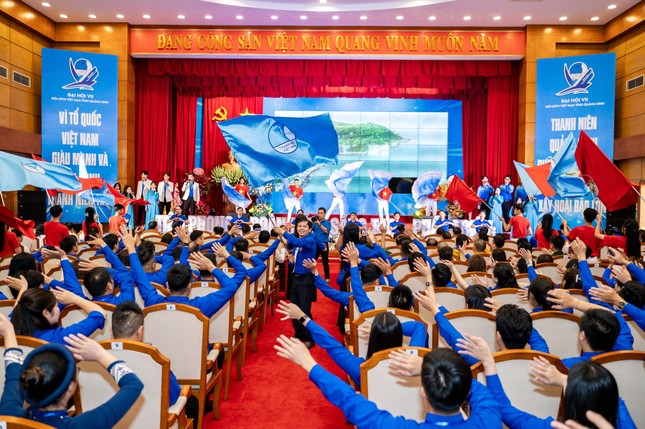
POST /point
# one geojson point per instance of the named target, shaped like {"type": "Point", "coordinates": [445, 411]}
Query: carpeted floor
{"type": "Point", "coordinates": [276, 393]}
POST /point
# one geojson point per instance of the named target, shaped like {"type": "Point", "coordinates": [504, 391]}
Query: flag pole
{"type": "Point", "coordinates": [2, 198]}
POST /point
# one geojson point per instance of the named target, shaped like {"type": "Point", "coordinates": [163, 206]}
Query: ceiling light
{"type": "Point", "coordinates": [432, 18]}
{"type": "Point", "coordinates": [208, 16]}
{"type": "Point", "coordinates": [118, 15]}
{"type": "Point", "coordinates": [62, 15]}
{"type": "Point", "coordinates": [335, 17]}
{"type": "Point", "coordinates": [92, 16]}
{"type": "Point", "coordinates": [146, 16]}
{"type": "Point", "coordinates": [274, 17]}
{"type": "Point", "coordinates": [563, 18]}
{"type": "Point", "coordinates": [239, 17]}
{"type": "Point", "coordinates": [323, 1]}
{"type": "Point", "coordinates": [595, 18]}
{"type": "Point", "coordinates": [181, 17]}
{"type": "Point", "coordinates": [466, 18]}
{"type": "Point", "coordinates": [527, 18]}
{"type": "Point", "coordinates": [497, 18]}
{"type": "Point", "coordinates": [400, 17]}
{"type": "Point", "coordinates": [303, 17]}
{"type": "Point", "coordinates": [611, 6]}
{"type": "Point", "coordinates": [45, 4]}
{"type": "Point", "coordinates": [363, 18]}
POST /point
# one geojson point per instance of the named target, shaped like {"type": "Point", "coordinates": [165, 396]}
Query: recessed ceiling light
{"type": "Point", "coordinates": [563, 18]}
{"type": "Point", "coordinates": [181, 17]}
{"type": "Point", "coordinates": [92, 16]}
{"type": "Point", "coordinates": [466, 18]}
{"type": "Point", "coordinates": [118, 15]}
{"type": "Point", "coordinates": [323, 1]}
{"type": "Point", "coordinates": [335, 17]}
{"type": "Point", "coordinates": [400, 17]}
{"type": "Point", "coordinates": [595, 18]}
{"type": "Point", "coordinates": [45, 4]}
{"type": "Point", "coordinates": [146, 16]}
{"type": "Point", "coordinates": [497, 18]}
{"type": "Point", "coordinates": [239, 17]}
{"type": "Point", "coordinates": [62, 15]}
{"type": "Point", "coordinates": [208, 16]}
{"type": "Point", "coordinates": [611, 6]}
{"type": "Point", "coordinates": [303, 17]}
{"type": "Point", "coordinates": [274, 17]}
{"type": "Point", "coordinates": [363, 18]}
{"type": "Point", "coordinates": [432, 18]}
{"type": "Point", "coordinates": [527, 18]}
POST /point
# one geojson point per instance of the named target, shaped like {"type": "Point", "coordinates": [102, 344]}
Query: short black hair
{"type": "Point", "coordinates": [446, 379]}
{"type": "Point", "coordinates": [634, 293]}
{"type": "Point", "coordinates": [126, 319]}
{"type": "Point", "coordinates": [264, 236]}
{"type": "Point", "coordinates": [514, 325]}
{"type": "Point", "coordinates": [499, 240]}
{"type": "Point", "coordinates": [152, 224]}
{"type": "Point", "coordinates": [96, 281]}
{"type": "Point", "coordinates": [67, 244]}
{"type": "Point", "coordinates": [441, 275]}
{"type": "Point", "coordinates": [483, 233]}
{"type": "Point", "coordinates": [475, 296]}
{"type": "Point", "coordinates": [242, 245]}
{"type": "Point", "coordinates": [196, 234]}
{"type": "Point", "coordinates": [218, 230]}
{"type": "Point", "coordinates": [431, 242]}
{"type": "Point", "coordinates": [445, 253]}
{"type": "Point", "coordinates": [167, 238]}
{"type": "Point", "coordinates": [144, 172]}
{"type": "Point", "coordinates": [461, 239]}
{"type": "Point", "coordinates": [323, 209]}
{"type": "Point", "coordinates": [601, 329]}
{"type": "Point", "coordinates": [479, 245]}
{"type": "Point", "coordinates": [440, 231]}
{"type": "Point", "coordinates": [590, 214]}
{"type": "Point", "coordinates": [370, 273]}
{"type": "Point", "coordinates": [544, 258]}
{"type": "Point", "coordinates": [56, 210]}
{"type": "Point", "coordinates": [412, 258]}
{"type": "Point", "coordinates": [557, 241]}
{"type": "Point", "coordinates": [401, 297]}
{"type": "Point", "coordinates": [118, 207]}
{"type": "Point", "coordinates": [519, 207]}
{"type": "Point", "coordinates": [498, 255]}
{"type": "Point", "coordinates": [571, 279]}
{"type": "Point", "coordinates": [446, 235]}
{"type": "Point", "coordinates": [179, 277]}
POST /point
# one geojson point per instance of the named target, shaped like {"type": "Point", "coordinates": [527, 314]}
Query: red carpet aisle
{"type": "Point", "coordinates": [274, 392]}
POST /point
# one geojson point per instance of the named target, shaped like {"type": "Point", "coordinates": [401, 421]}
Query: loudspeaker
{"type": "Point", "coordinates": [32, 205]}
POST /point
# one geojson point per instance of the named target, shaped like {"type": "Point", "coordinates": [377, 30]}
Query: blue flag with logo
{"type": "Point", "coordinates": [564, 177]}
{"type": "Point", "coordinates": [339, 180]}
{"type": "Point", "coordinates": [289, 199]}
{"type": "Point", "coordinates": [379, 180]}
{"type": "Point", "coordinates": [17, 172]}
{"type": "Point", "coordinates": [269, 148]}
{"type": "Point", "coordinates": [234, 196]}
{"type": "Point", "coordinates": [425, 185]}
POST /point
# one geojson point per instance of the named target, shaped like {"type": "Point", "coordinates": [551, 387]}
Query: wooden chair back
{"type": "Point", "coordinates": [72, 314]}
{"type": "Point", "coordinates": [27, 344]}
{"type": "Point", "coordinates": [379, 295]}
{"type": "Point", "coordinates": [550, 269]}
{"type": "Point", "coordinates": [414, 281]}
{"type": "Point", "coordinates": [400, 269]}
{"type": "Point", "coordinates": [9, 422]}
{"type": "Point", "coordinates": [560, 330]}
{"type": "Point", "coordinates": [509, 296]}
{"type": "Point", "coordinates": [474, 322]}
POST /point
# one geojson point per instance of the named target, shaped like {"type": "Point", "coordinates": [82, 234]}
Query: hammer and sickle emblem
{"type": "Point", "coordinates": [221, 114]}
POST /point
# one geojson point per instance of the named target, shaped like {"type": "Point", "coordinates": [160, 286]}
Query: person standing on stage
{"type": "Point", "coordinates": [322, 227]}
{"type": "Point", "coordinates": [191, 195]}
{"type": "Point", "coordinates": [507, 196]}
{"type": "Point", "coordinates": [485, 191]}
{"type": "Point", "coordinates": [303, 289]}
{"type": "Point", "coordinates": [395, 223]}
{"type": "Point", "coordinates": [519, 226]}
{"type": "Point", "coordinates": [142, 188]}
{"type": "Point", "coordinates": [496, 202]}
{"type": "Point", "coordinates": [297, 192]}
{"type": "Point", "coordinates": [165, 188]}
{"type": "Point", "coordinates": [431, 202]}
{"type": "Point", "coordinates": [152, 209]}
{"type": "Point", "coordinates": [242, 188]}
{"type": "Point", "coordinates": [129, 207]}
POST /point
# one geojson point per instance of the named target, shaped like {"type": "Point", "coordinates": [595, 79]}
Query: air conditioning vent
{"type": "Point", "coordinates": [634, 83]}
{"type": "Point", "coordinates": [21, 79]}
{"type": "Point", "coordinates": [4, 72]}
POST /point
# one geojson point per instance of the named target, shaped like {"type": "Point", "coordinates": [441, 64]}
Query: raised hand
{"type": "Point", "coordinates": [17, 284]}
{"type": "Point", "coordinates": [606, 294]}
{"type": "Point", "coordinates": [311, 265]}
{"type": "Point", "coordinates": [294, 350]}
{"type": "Point", "coordinates": [57, 254]}
{"type": "Point", "coordinates": [405, 363]}
{"type": "Point", "coordinates": [545, 372]}
{"type": "Point", "coordinates": [421, 266]}
{"type": "Point", "coordinates": [202, 262]}
{"type": "Point", "coordinates": [220, 250]}
{"type": "Point", "coordinates": [383, 265]}
{"type": "Point", "coordinates": [290, 310]}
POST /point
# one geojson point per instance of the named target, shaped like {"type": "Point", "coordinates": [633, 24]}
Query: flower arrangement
{"type": "Point", "coordinates": [204, 183]}
{"type": "Point", "coordinates": [232, 175]}
{"type": "Point", "coordinates": [261, 209]}
{"type": "Point", "coordinates": [455, 211]}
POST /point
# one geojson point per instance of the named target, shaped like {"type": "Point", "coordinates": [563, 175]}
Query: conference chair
{"type": "Point", "coordinates": [48, 264]}
{"type": "Point", "coordinates": [526, 394]}
{"type": "Point", "coordinates": [523, 279]}
{"type": "Point", "coordinates": [180, 332]}
{"type": "Point", "coordinates": [73, 314]}
{"type": "Point", "coordinates": [379, 295]}
{"type": "Point", "coordinates": [509, 296]}
{"type": "Point", "coordinates": [578, 294]}
{"type": "Point", "coordinates": [225, 329]}
{"type": "Point", "coordinates": [6, 306]}
{"type": "Point", "coordinates": [162, 291]}
{"type": "Point", "coordinates": [473, 322]}
{"type": "Point", "coordinates": [6, 290]}
{"type": "Point", "coordinates": [359, 339]}
{"type": "Point", "coordinates": [100, 260]}
{"type": "Point", "coordinates": [471, 278]}
{"type": "Point", "coordinates": [511, 244]}
{"type": "Point", "coordinates": [27, 344]}
{"type": "Point", "coordinates": [461, 267]}
{"type": "Point", "coordinates": [87, 253]}
{"type": "Point", "coordinates": [550, 269]}
{"type": "Point", "coordinates": [414, 281]}
{"type": "Point", "coordinates": [151, 235]}
{"type": "Point", "coordinates": [10, 422]}
{"type": "Point", "coordinates": [560, 330]}
{"type": "Point", "coordinates": [152, 408]}
{"type": "Point", "coordinates": [637, 333]}
{"type": "Point", "coordinates": [628, 368]}
{"type": "Point", "coordinates": [56, 273]}
{"type": "Point", "coordinates": [400, 269]}
{"type": "Point", "coordinates": [4, 268]}
{"type": "Point", "coordinates": [160, 247]}
{"type": "Point", "coordinates": [392, 392]}
{"type": "Point", "coordinates": [598, 269]}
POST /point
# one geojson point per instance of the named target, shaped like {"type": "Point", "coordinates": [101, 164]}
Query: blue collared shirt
{"type": "Point", "coordinates": [322, 236]}
{"type": "Point", "coordinates": [485, 191]}
{"type": "Point", "coordinates": [507, 192]}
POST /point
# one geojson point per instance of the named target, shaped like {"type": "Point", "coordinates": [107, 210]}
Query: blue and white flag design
{"type": "Point", "coordinates": [235, 197]}
{"type": "Point", "coordinates": [425, 185]}
{"type": "Point", "coordinates": [564, 177]}
{"type": "Point", "coordinates": [379, 179]}
{"type": "Point", "coordinates": [339, 180]}
{"type": "Point", "coordinates": [17, 172]}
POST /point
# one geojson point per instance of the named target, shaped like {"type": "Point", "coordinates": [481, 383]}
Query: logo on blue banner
{"type": "Point", "coordinates": [579, 78]}
{"type": "Point", "coordinates": [33, 167]}
{"type": "Point", "coordinates": [282, 139]}
{"type": "Point", "coordinates": [84, 74]}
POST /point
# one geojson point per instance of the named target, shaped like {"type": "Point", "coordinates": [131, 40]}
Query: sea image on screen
{"type": "Point", "coordinates": [404, 137]}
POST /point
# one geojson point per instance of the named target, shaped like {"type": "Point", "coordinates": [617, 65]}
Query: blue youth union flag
{"type": "Point", "coordinates": [269, 148]}
{"type": "Point", "coordinates": [17, 172]}
{"type": "Point", "coordinates": [379, 180]}
{"type": "Point", "coordinates": [425, 185]}
{"type": "Point", "coordinates": [234, 196]}
{"type": "Point", "coordinates": [564, 177]}
{"type": "Point", "coordinates": [339, 180]}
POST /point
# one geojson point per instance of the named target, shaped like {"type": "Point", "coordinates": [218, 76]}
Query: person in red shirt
{"type": "Point", "coordinates": [544, 233]}
{"type": "Point", "coordinates": [242, 188]}
{"type": "Point", "coordinates": [521, 227]}
{"type": "Point", "coordinates": [90, 221]}
{"type": "Point", "coordinates": [297, 192]}
{"type": "Point", "coordinates": [586, 232]}
{"type": "Point", "coordinates": [9, 244]}
{"type": "Point", "coordinates": [117, 220]}
{"type": "Point", "coordinates": [629, 241]}
{"type": "Point", "coordinates": [54, 230]}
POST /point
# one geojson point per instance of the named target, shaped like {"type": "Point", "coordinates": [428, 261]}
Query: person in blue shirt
{"type": "Point", "coordinates": [146, 253]}
{"type": "Point", "coordinates": [36, 314]}
{"type": "Point", "coordinates": [520, 194]}
{"type": "Point", "coordinates": [127, 324]}
{"type": "Point", "coordinates": [395, 223]}
{"type": "Point", "coordinates": [481, 221]}
{"type": "Point", "coordinates": [445, 378]}
{"type": "Point", "coordinates": [443, 221]}
{"type": "Point", "coordinates": [46, 380]}
{"type": "Point", "coordinates": [353, 220]}
{"type": "Point", "coordinates": [485, 191]}
{"type": "Point", "coordinates": [507, 196]}
{"type": "Point", "coordinates": [240, 219]}
{"type": "Point", "coordinates": [322, 228]}
{"type": "Point", "coordinates": [303, 290]}
{"type": "Point", "coordinates": [177, 219]}
{"type": "Point", "coordinates": [588, 386]}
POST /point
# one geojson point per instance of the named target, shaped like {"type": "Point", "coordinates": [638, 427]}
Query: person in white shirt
{"type": "Point", "coordinates": [191, 194]}
{"type": "Point", "coordinates": [165, 189]}
{"type": "Point", "coordinates": [142, 188]}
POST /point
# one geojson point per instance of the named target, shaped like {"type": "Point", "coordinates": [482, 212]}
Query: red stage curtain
{"type": "Point", "coordinates": [183, 153]}
{"type": "Point", "coordinates": [474, 139]}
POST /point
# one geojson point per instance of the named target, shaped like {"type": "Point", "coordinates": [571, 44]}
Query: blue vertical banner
{"type": "Point", "coordinates": [80, 118]}
{"type": "Point", "coordinates": [574, 94]}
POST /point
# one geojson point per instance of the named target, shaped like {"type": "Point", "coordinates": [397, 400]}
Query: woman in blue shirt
{"type": "Point", "coordinates": [496, 210]}
{"type": "Point", "coordinates": [152, 209]}
{"type": "Point", "coordinates": [129, 193]}
{"type": "Point", "coordinates": [36, 314]}
{"type": "Point", "coordinates": [47, 380]}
